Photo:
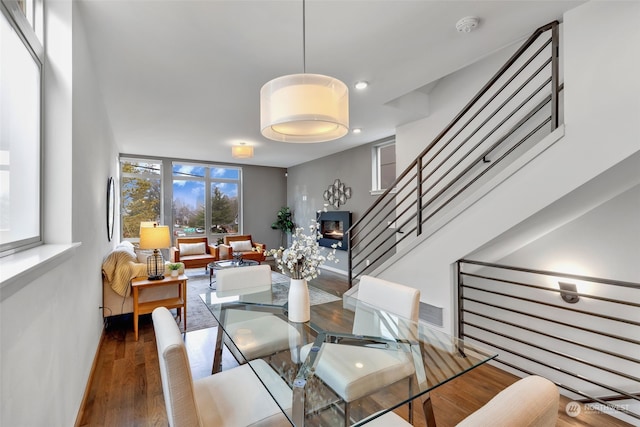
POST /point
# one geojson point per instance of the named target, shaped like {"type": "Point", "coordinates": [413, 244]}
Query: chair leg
{"type": "Point", "coordinates": [410, 402]}
{"type": "Point", "coordinates": [347, 414]}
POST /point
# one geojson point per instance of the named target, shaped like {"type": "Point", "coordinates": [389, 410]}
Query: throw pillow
{"type": "Point", "coordinates": [192, 249]}
{"type": "Point", "coordinates": [143, 254]}
{"type": "Point", "coordinates": [241, 245]}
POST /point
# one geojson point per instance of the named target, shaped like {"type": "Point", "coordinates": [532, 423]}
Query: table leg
{"type": "Point", "coordinates": [427, 408]}
{"type": "Point", "coordinates": [183, 287]}
{"type": "Point", "coordinates": [217, 353]}
{"type": "Point", "coordinates": [135, 312]}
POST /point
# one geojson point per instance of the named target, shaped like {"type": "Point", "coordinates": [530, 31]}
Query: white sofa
{"type": "Point", "coordinates": [118, 268]}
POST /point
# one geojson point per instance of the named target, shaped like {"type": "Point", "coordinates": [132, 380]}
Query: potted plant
{"type": "Point", "coordinates": [174, 267]}
{"type": "Point", "coordinates": [284, 223]}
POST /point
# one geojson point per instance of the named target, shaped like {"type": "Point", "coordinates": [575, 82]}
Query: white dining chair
{"type": "Point", "coordinates": [253, 334]}
{"type": "Point", "coordinates": [377, 368]}
{"type": "Point", "coordinates": [235, 397]}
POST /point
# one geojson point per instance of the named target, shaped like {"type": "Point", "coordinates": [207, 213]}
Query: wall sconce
{"type": "Point", "coordinates": [242, 151]}
{"type": "Point", "coordinates": [569, 292]}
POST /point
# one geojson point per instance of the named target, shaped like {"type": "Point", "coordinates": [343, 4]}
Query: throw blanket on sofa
{"type": "Point", "coordinates": [119, 268]}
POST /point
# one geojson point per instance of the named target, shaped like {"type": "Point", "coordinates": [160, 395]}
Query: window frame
{"type": "Point", "coordinates": [208, 181]}
{"type": "Point", "coordinates": [375, 164]}
{"type": "Point", "coordinates": [122, 175]}
{"type": "Point", "coordinates": [31, 36]}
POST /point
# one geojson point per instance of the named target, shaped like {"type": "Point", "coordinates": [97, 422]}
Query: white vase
{"type": "Point", "coordinates": [175, 273]}
{"type": "Point", "coordinates": [299, 307]}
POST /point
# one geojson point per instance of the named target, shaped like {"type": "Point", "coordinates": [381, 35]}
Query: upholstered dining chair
{"type": "Point", "coordinates": [217, 400]}
{"type": "Point", "coordinates": [253, 334]}
{"type": "Point", "coordinates": [377, 368]}
{"type": "Point", "coordinates": [529, 402]}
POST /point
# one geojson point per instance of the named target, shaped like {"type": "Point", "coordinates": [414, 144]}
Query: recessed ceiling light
{"type": "Point", "coordinates": [361, 85]}
{"type": "Point", "coordinates": [356, 130]}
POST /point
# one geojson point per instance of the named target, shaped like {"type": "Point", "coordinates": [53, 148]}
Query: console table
{"type": "Point", "coordinates": [179, 302]}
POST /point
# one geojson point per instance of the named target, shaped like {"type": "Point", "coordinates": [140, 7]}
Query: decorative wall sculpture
{"type": "Point", "coordinates": [337, 194]}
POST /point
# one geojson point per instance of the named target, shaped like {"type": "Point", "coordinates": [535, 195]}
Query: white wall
{"type": "Point", "coordinates": [51, 325]}
{"type": "Point", "coordinates": [584, 245]}
{"type": "Point", "coordinates": [601, 112]}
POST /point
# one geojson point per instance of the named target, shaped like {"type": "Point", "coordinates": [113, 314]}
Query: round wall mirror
{"type": "Point", "coordinates": [111, 207]}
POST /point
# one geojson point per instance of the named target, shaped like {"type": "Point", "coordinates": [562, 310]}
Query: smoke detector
{"type": "Point", "coordinates": [467, 24]}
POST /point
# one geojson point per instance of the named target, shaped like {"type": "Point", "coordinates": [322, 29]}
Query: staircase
{"type": "Point", "coordinates": [516, 110]}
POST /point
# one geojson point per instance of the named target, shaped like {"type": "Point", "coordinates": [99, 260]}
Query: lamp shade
{"type": "Point", "coordinates": [242, 151]}
{"type": "Point", "coordinates": [304, 108]}
{"type": "Point", "coordinates": [157, 237]}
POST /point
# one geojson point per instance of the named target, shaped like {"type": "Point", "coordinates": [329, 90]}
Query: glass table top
{"type": "Point", "coordinates": [372, 358]}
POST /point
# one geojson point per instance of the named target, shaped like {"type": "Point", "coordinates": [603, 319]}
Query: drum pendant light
{"type": "Point", "coordinates": [304, 107]}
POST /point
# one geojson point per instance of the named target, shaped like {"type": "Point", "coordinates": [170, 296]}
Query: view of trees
{"type": "Point", "coordinates": [140, 196]}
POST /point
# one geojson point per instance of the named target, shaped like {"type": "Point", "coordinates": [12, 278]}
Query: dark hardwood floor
{"type": "Point", "coordinates": [125, 387]}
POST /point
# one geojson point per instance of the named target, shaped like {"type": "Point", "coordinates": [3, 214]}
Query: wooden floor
{"type": "Point", "coordinates": [125, 388]}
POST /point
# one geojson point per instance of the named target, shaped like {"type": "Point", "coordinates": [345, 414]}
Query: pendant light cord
{"type": "Point", "coordinates": [304, 41]}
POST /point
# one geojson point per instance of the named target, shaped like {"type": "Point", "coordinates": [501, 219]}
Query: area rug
{"type": "Point", "coordinates": [199, 316]}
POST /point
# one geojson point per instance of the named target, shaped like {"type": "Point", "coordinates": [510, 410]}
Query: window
{"type": "Point", "coordinates": [383, 157]}
{"type": "Point", "coordinates": [20, 127]}
{"type": "Point", "coordinates": [206, 200]}
{"type": "Point", "coordinates": [141, 195]}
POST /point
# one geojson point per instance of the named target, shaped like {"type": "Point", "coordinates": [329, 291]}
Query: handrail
{"type": "Point", "coordinates": [440, 169]}
{"type": "Point", "coordinates": [593, 353]}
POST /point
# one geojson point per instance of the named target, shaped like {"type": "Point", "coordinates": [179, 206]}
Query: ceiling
{"type": "Point", "coordinates": [182, 78]}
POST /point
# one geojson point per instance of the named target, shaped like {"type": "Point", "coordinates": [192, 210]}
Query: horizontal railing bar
{"type": "Point", "coordinates": [555, 273]}
{"type": "Point", "coordinates": [555, 352]}
{"type": "Point", "coordinates": [488, 168]}
{"type": "Point", "coordinates": [379, 257]}
{"type": "Point", "coordinates": [558, 322]}
{"type": "Point", "coordinates": [556, 368]}
{"type": "Point", "coordinates": [363, 226]}
{"type": "Point", "coordinates": [558, 291]}
{"type": "Point", "coordinates": [482, 140]}
{"type": "Point", "coordinates": [494, 96]}
{"type": "Point", "coordinates": [556, 337]}
{"type": "Point", "coordinates": [548, 304]}
{"type": "Point", "coordinates": [572, 390]}
{"type": "Point", "coordinates": [611, 398]}
{"type": "Point", "coordinates": [464, 111]}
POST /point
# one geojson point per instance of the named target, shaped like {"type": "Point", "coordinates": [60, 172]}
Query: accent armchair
{"type": "Point", "coordinates": [243, 245]}
{"type": "Point", "coordinates": [194, 252]}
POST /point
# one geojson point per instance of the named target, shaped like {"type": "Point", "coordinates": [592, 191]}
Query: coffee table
{"type": "Point", "coordinates": [227, 263]}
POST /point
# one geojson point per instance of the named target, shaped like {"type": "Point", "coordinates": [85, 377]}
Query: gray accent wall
{"type": "Point", "coordinates": [264, 193]}
{"type": "Point", "coordinates": [307, 182]}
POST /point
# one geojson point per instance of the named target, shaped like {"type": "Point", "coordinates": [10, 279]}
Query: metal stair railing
{"type": "Point", "coordinates": [517, 107]}
{"type": "Point", "coordinates": [586, 340]}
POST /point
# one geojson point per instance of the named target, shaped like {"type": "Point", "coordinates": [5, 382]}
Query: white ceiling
{"type": "Point", "coordinates": [182, 78]}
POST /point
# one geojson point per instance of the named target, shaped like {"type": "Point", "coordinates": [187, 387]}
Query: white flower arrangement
{"type": "Point", "coordinates": [304, 257]}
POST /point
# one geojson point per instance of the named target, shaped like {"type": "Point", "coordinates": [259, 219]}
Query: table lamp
{"type": "Point", "coordinates": [156, 237]}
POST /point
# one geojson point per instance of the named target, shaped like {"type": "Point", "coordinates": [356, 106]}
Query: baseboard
{"type": "Point", "coordinates": [334, 270]}
{"type": "Point", "coordinates": [87, 388]}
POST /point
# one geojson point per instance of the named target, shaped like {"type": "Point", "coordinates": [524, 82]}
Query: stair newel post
{"type": "Point", "coordinates": [349, 260]}
{"type": "Point", "coordinates": [419, 196]}
{"type": "Point", "coordinates": [555, 79]}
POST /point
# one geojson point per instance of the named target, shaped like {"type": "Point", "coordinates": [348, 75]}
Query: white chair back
{"type": "Point", "coordinates": [393, 298]}
{"type": "Point", "coordinates": [253, 276]}
{"type": "Point", "coordinates": [175, 372]}
{"type": "Point", "coordinates": [398, 299]}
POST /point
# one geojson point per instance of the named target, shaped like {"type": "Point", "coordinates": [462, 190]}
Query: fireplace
{"type": "Point", "coordinates": [333, 227]}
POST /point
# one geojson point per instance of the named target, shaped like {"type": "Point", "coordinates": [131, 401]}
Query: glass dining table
{"type": "Point", "coordinates": [253, 324]}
